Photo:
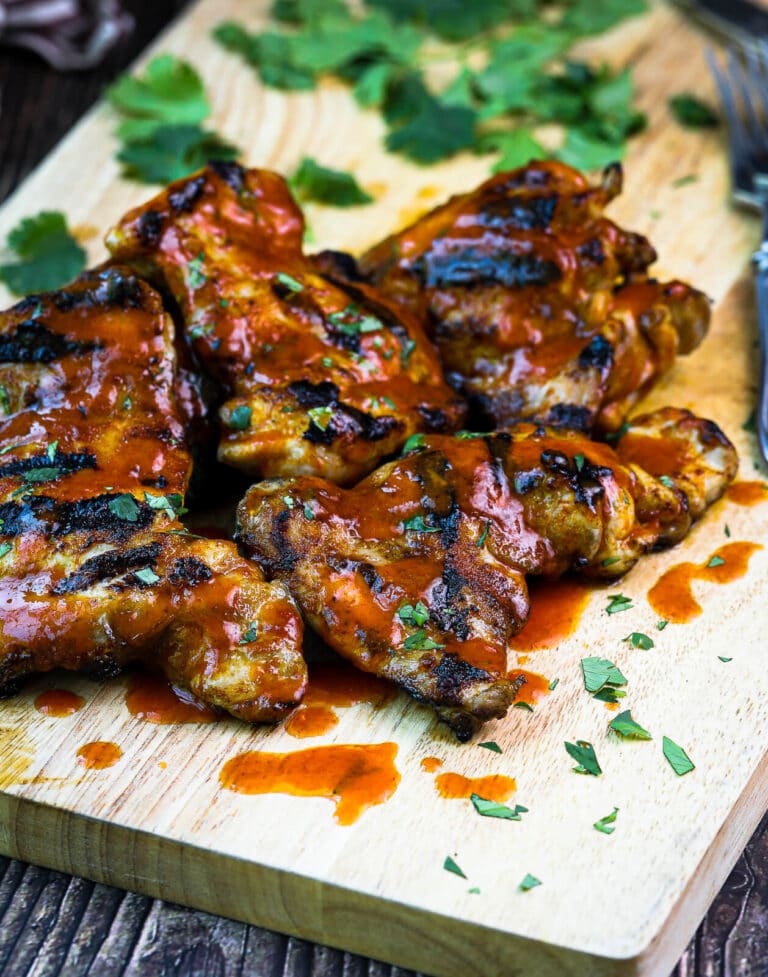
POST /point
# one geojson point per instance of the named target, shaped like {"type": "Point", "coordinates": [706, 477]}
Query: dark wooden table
{"type": "Point", "coordinates": [52, 925]}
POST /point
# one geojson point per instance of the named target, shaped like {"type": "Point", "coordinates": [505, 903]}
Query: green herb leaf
{"type": "Point", "coordinates": [492, 746]}
{"type": "Point", "coordinates": [5, 549]}
{"type": "Point", "coordinates": [41, 474]}
{"type": "Point", "coordinates": [124, 507]}
{"type": "Point", "coordinates": [587, 152]}
{"type": "Point", "coordinates": [517, 148]}
{"type": "Point", "coordinates": [690, 111]}
{"type": "Point", "coordinates": [606, 824]}
{"type": "Point", "coordinates": [684, 181]}
{"type": "Point", "coordinates": [171, 504]}
{"type": "Point", "coordinates": [239, 418]}
{"type": "Point", "coordinates": [147, 575]}
{"type": "Point", "coordinates": [584, 755]}
{"type": "Point", "coordinates": [599, 672]}
{"type": "Point", "coordinates": [492, 809]}
{"type": "Point", "coordinates": [625, 726]}
{"type": "Point", "coordinates": [47, 256]}
{"type": "Point", "coordinates": [321, 416]}
{"type": "Point", "coordinates": [326, 186]}
{"type": "Point", "coordinates": [660, 625]}
{"type": "Point", "coordinates": [289, 501]}
{"type": "Point", "coordinates": [413, 443]}
{"type": "Point", "coordinates": [413, 615]}
{"type": "Point", "coordinates": [525, 706]}
{"type": "Point", "coordinates": [250, 634]}
{"type": "Point", "coordinates": [529, 882]}
{"type": "Point", "coordinates": [618, 603]}
{"type": "Point", "coordinates": [450, 866]}
{"type": "Point", "coordinates": [666, 480]}
{"type": "Point", "coordinates": [289, 282]}
{"type": "Point", "coordinates": [418, 641]}
{"type": "Point", "coordinates": [727, 530]}
{"type": "Point", "coordinates": [172, 153]}
{"type": "Point", "coordinates": [417, 524]}
{"type": "Point", "coordinates": [639, 640]}
{"type": "Point", "coordinates": [676, 756]}
{"type": "Point", "coordinates": [308, 513]}
{"type": "Point", "coordinates": [484, 534]}
{"type": "Point", "coordinates": [716, 561]}
{"type": "Point", "coordinates": [554, 684]}
{"type": "Point", "coordinates": [724, 659]}
{"type": "Point", "coordinates": [436, 132]}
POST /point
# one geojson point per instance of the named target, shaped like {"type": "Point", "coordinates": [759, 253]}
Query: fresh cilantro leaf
{"type": "Point", "coordinates": [289, 501]}
{"type": "Point", "coordinates": [422, 127]}
{"type": "Point", "coordinates": [618, 603]}
{"type": "Point", "coordinates": [625, 726]}
{"type": "Point", "coordinates": [416, 524]}
{"type": "Point", "coordinates": [170, 93]}
{"type": "Point", "coordinates": [51, 450]}
{"type": "Point", "coordinates": [455, 20]}
{"type": "Point", "coordinates": [47, 256]}
{"type": "Point", "coordinates": [690, 111]}
{"type": "Point", "coordinates": [147, 575]}
{"type": "Point", "coordinates": [529, 882]}
{"type": "Point", "coordinates": [321, 416]}
{"type": "Point", "coordinates": [610, 694]}
{"type": "Point", "coordinates": [450, 866]}
{"type": "Point", "coordinates": [610, 560]}
{"type": "Point", "coordinates": [666, 480]}
{"type": "Point", "coordinates": [239, 418]}
{"type": "Point", "coordinates": [724, 659]}
{"type": "Point", "coordinates": [317, 183]}
{"type": "Point", "coordinates": [684, 181]}
{"type": "Point", "coordinates": [413, 443]}
{"type": "Point", "coordinates": [660, 625]}
{"type": "Point", "coordinates": [606, 824]}
{"type": "Point", "coordinates": [47, 474]}
{"type": "Point", "coordinates": [587, 152]}
{"type": "Point", "coordinates": [289, 282]}
{"type": "Point", "coordinates": [474, 891]}
{"type": "Point", "coordinates": [170, 504]}
{"type": "Point", "coordinates": [492, 746]}
{"type": "Point", "coordinates": [599, 672]}
{"type": "Point", "coordinates": [351, 321]}
{"type": "Point", "coordinates": [639, 640]}
{"type": "Point", "coordinates": [124, 507]}
{"type": "Point", "coordinates": [716, 561]}
{"type": "Point", "coordinates": [273, 55]}
{"type": "Point", "coordinates": [525, 706]}
{"type": "Point", "coordinates": [418, 641]}
{"type": "Point", "coordinates": [554, 684]}
{"type": "Point", "coordinates": [5, 549]}
{"type": "Point", "coordinates": [591, 17]}
{"type": "Point", "coordinates": [484, 534]}
{"type": "Point", "coordinates": [492, 809]}
{"type": "Point", "coordinates": [308, 513]}
{"type": "Point", "coordinates": [676, 756]}
{"type": "Point", "coordinates": [371, 87]}
{"type": "Point", "coordinates": [517, 148]}
{"type": "Point", "coordinates": [727, 530]}
{"type": "Point", "coordinates": [172, 153]}
{"type": "Point", "coordinates": [250, 634]}
{"type": "Point", "coordinates": [584, 755]}
{"type": "Point", "coordinates": [413, 615]}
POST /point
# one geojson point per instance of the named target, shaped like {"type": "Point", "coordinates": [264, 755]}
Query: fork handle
{"type": "Point", "coordinates": [760, 265]}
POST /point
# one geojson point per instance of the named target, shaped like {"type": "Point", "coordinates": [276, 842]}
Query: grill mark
{"type": "Point", "coordinates": [599, 353]}
{"type": "Point", "coordinates": [518, 213]}
{"type": "Point", "coordinates": [114, 288]}
{"type": "Point", "coordinates": [187, 570]}
{"type": "Point", "coordinates": [584, 481]}
{"type": "Point", "coordinates": [434, 418]}
{"type": "Point", "coordinates": [472, 266]}
{"type": "Point", "coordinates": [572, 416]}
{"type": "Point", "coordinates": [149, 228]}
{"type": "Point", "coordinates": [183, 200]}
{"type": "Point", "coordinates": [32, 342]}
{"type": "Point", "coordinates": [107, 566]}
{"type": "Point", "coordinates": [233, 174]}
{"type": "Point", "coordinates": [95, 515]}
{"type": "Point", "coordinates": [453, 675]}
{"type": "Point", "coordinates": [67, 463]}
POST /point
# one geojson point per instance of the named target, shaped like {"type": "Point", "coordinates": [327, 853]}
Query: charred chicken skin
{"type": "Point", "coordinates": [323, 376]}
{"type": "Point", "coordinates": [540, 306]}
{"type": "Point", "coordinates": [418, 574]}
{"type": "Point", "coordinates": [96, 570]}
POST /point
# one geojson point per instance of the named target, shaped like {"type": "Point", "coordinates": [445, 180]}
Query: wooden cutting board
{"type": "Point", "coordinates": [159, 821]}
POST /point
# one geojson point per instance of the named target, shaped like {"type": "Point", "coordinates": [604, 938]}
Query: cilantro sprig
{"type": "Point", "coordinates": [44, 254]}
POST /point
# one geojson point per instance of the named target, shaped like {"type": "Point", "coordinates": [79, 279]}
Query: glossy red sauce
{"type": "Point", "coordinates": [310, 721]}
{"type": "Point", "coordinates": [747, 493]}
{"type": "Point", "coordinates": [534, 687]}
{"type": "Point", "coordinates": [153, 699]}
{"type": "Point", "coordinates": [672, 595]}
{"type": "Point", "coordinates": [495, 787]}
{"type": "Point", "coordinates": [556, 609]}
{"type": "Point", "coordinates": [353, 777]}
{"type": "Point", "coordinates": [99, 755]}
{"type": "Point", "coordinates": [658, 456]}
{"type": "Point", "coordinates": [431, 763]}
{"type": "Point", "coordinates": [58, 703]}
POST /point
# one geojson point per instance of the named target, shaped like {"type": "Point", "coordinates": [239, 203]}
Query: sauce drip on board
{"type": "Point", "coordinates": [556, 609]}
{"type": "Point", "coordinates": [153, 699]}
{"type": "Point", "coordinates": [431, 763]}
{"type": "Point", "coordinates": [747, 493]}
{"type": "Point", "coordinates": [495, 787]}
{"type": "Point", "coordinates": [334, 684]}
{"type": "Point", "coordinates": [672, 595]}
{"type": "Point", "coordinates": [353, 777]}
{"type": "Point", "coordinates": [534, 688]}
{"type": "Point", "coordinates": [99, 755]}
{"type": "Point", "coordinates": [58, 703]}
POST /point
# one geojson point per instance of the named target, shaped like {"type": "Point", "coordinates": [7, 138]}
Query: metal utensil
{"type": "Point", "coordinates": [743, 84]}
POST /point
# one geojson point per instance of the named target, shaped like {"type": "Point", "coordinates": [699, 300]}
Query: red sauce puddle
{"type": "Point", "coordinates": [334, 684]}
{"type": "Point", "coordinates": [533, 688]}
{"type": "Point", "coordinates": [353, 777]}
{"type": "Point", "coordinates": [672, 597]}
{"type": "Point", "coordinates": [747, 493]}
{"type": "Point", "coordinates": [494, 787]}
{"type": "Point", "coordinates": [99, 755]}
{"type": "Point", "coordinates": [556, 609]}
{"type": "Point", "coordinates": [58, 703]}
{"type": "Point", "coordinates": [153, 699]}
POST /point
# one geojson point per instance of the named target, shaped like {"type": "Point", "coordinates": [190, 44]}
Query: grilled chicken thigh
{"type": "Point", "coordinates": [418, 574]}
{"type": "Point", "coordinates": [95, 568]}
{"type": "Point", "coordinates": [541, 308]}
{"type": "Point", "coordinates": [322, 375]}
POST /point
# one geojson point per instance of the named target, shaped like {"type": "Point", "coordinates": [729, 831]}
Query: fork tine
{"type": "Point", "coordinates": [756, 85]}
{"type": "Point", "coordinates": [736, 132]}
{"type": "Point", "coordinates": [737, 59]}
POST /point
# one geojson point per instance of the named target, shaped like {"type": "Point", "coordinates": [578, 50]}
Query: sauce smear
{"type": "Point", "coordinates": [310, 721]}
{"type": "Point", "coordinates": [495, 787]}
{"type": "Point", "coordinates": [534, 687]}
{"type": "Point", "coordinates": [353, 777]}
{"type": "Point", "coordinates": [99, 755]}
{"type": "Point", "coordinates": [152, 698]}
{"type": "Point", "coordinates": [431, 763]}
{"type": "Point", "coordinates": [556, 609]}
{"type": "Point", "coordinates": [747, 493]}
{"type": "Point", "coordinates": [672, 596]}
{"type": "Point", "coordinates": [58, 703]}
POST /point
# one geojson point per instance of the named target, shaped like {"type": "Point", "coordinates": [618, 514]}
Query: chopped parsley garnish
{"type": "Point", "coordinates": [599, 673]}
{"type": "Point", "coordinates": [250, 634]}
{"type": "Point", "coordinates": [618, 603]}
{"type": "Point", "coordinates": [414, 615]}
{"type": "Point", "coordinates": [666, 480]}
{"type": "Point", "coordinates": [240, 418]}
{"type": "Point", "coordinates": [625, 726]}
{"type": "Point", "coordinates": [41, 474]}
{"type": "Point", "coordinates": [492, 809]}
{"type": "Point", "coordinates": [639, 640]}
{"type": "Point", "coordinates": [321, 416]}
{"type": "Point", "coordinates": [727, 530]}
{"type": "Point", "coordinates": [660, 625]}
{"type": "Point", "coordinates": [676, 756]}
{"type": "Point", "coordinates": [554, 684]}
{"type": "Point", "coordinates": [690, 111]}
{"type": "Point", "coordinates": [606, 824]}
{"type": "Point", "coordinates": [525, 706]}
{"type": "Point", "coordinates": [529, 882]}
{"type": "Point", "coordinates": [578, 461]}
{"type": "Point", "coordinates": [171, 504]}
{"type": "Point", "coordinates": [124, 507]}
{"type": "Point", "coordinates": [147, 575]}
{"type": "Point", "coordinates": [610, 560]}
{"type": "Point", "coordinates": [492, 746]}
{"type": "Point", "coordinates": [724, 659]}
{"type": "Point", "coordinates": [5, 549]}
{"type": "Point", "coordinates": [584, 755]}
{"type": "Point", "coordinates": [418, 641]}
{"type": "Point", "coordinates": [161, 122]}
{"type": "Point", "coordinates": [405, 353]}
{"type": "Point", "coordinates": [46, 255]}
{"type": "Point", "coordinates": [413, 443]}
{"type": "Point", "coordinates": [352, 321]}
{"type": "Point", "coordinates": [416, 524]}
{"type": "Point", "coordinates": [450, 866]}
{"type": "Point", "coordinates": [289, 501]}
{"type": "Point", "coordinates": [51, 450]}
{"type": "Point", "coordinates": [308, 513]}
{"type": "Point", "coordinates": [716, 561]}
{"type": "Point", "coordinates": [327, 362]}
{"type": "Point", "coordinates": [196, 277]}
{"type": "Point", "coordinates": [289, 282]}
{"type": "Point", "coordinates": [484, 534]}
{"type": "Point", "coordinates": [323, 185]}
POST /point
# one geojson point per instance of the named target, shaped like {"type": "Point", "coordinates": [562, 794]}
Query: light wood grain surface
{"type": "Point", "coordinates": [619, 905]}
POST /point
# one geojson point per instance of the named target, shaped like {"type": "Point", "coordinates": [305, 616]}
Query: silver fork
{"type": "Point", "coordinates": [743, 84]}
